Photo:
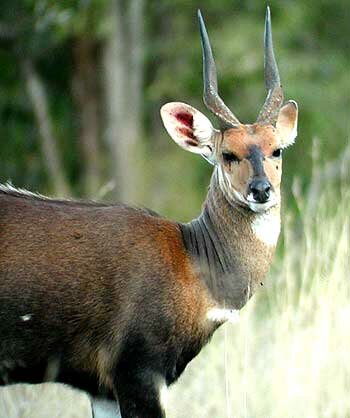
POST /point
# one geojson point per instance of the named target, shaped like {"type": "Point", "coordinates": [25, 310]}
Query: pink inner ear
{"type": "Point", "coordinates": [186, 132]}
{"type": "Point", "coordinates": [185, 127]}
{"type": "Point", "coordinates": [185, 118]}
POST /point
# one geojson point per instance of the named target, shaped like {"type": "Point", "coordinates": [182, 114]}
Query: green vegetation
{"type": "Point", "coordinates": [95, 74]}
{"type": "Point", "coordinates": [68, 45]}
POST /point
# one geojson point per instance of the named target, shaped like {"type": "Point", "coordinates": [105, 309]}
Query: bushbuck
{"type": "Point", "coordinates": [125, 298]}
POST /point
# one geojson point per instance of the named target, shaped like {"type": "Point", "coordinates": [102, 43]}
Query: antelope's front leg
{"type": "Point", "coordinates": [139, 393]}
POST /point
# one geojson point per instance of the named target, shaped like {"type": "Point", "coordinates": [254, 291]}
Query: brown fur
{"type": "Point", "coordinates": [246, 251]}
{"type": "Point", "coordinates": [93, 295]}
{"type": "Point", "coordinates": [239, 141]}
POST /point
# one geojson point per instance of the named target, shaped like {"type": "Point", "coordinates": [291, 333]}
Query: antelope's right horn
{"type": "Point", "coordinates": [269, 112]}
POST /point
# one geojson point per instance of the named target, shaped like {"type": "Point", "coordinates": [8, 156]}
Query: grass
{"type": "Point", "coordinates": [289, 355]}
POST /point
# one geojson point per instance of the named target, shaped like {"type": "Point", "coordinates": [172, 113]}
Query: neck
{"type": "Point", "coordinates": [231, 247]}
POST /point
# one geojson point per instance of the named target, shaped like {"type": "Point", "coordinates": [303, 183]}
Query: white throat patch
{"type": "Point", "coordinates": [223, 315]}
{"type": "Point", "coordinates": [266, 227]}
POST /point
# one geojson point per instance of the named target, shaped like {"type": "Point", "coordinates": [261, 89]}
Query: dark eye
{"type": "Point", "coordinates": [230, 157]}
{"type": "Point", "coordinates": [277, 153]}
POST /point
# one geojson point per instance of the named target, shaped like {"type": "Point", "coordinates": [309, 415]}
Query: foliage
{"type": "Point", "coordinates": [311, 40]}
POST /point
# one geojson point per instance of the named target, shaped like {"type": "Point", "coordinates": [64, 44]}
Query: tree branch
{"type": "Point", "coordinates": [37, 95]}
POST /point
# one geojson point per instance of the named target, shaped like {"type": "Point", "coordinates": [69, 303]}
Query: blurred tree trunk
{"type": "Point", "coordinates": [123, 69]}
{"type": "Point", "coordinates": [86, 95]}
{"type": "Point", "coordinates": [48, 142]}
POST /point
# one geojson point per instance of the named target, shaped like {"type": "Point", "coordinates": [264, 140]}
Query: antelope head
{"type": "Point", "coordinates": [248, 157]}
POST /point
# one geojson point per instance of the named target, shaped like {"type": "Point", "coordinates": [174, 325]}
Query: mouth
{"type": "Point", "coordinates": [254, 205]}
{"type": "Point", "coordinates": [261, 207]}
{"type": "Point", "coordinates": [246, 201]}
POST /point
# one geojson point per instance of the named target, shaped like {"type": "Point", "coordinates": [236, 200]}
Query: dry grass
{"type": "Point", "coordinates": [49, 400]}
{"type": "Point", "coordinates": [289, 356]}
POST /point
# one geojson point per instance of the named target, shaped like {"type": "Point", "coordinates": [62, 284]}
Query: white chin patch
{"type": "Point", "coordinates": [260, 207]}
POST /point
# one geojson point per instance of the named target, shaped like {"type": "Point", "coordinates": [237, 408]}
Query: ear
{"type": "Point", "coordinates": [189, 128]}
{"type": "Point", "coordinates": [287, 123]}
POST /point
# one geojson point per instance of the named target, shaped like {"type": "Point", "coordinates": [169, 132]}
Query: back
{"type": "Point", "coordinates": [67, 267]}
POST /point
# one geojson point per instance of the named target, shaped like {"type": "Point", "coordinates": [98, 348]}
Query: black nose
{"type": "Point", "coordinates": [260, 188]}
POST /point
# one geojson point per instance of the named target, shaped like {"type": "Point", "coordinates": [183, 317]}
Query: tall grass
{"type": "Point", "coordinates": [289, 357]}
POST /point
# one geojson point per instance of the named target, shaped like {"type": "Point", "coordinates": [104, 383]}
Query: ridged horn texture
{"type": "Point", "coordinates": [269, 112]}
{"type": "Point", "coordinates": [211, 98]}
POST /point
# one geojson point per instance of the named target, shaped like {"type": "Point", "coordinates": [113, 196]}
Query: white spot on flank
{"type": "Point", "coordinates": [163, 396]}
{"type": "Point", "coordinates": [266, 227]}
{"type": "Point", "coordinates": [223, 315]}
{"type": "Point", "coordinates": [26, 317]}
